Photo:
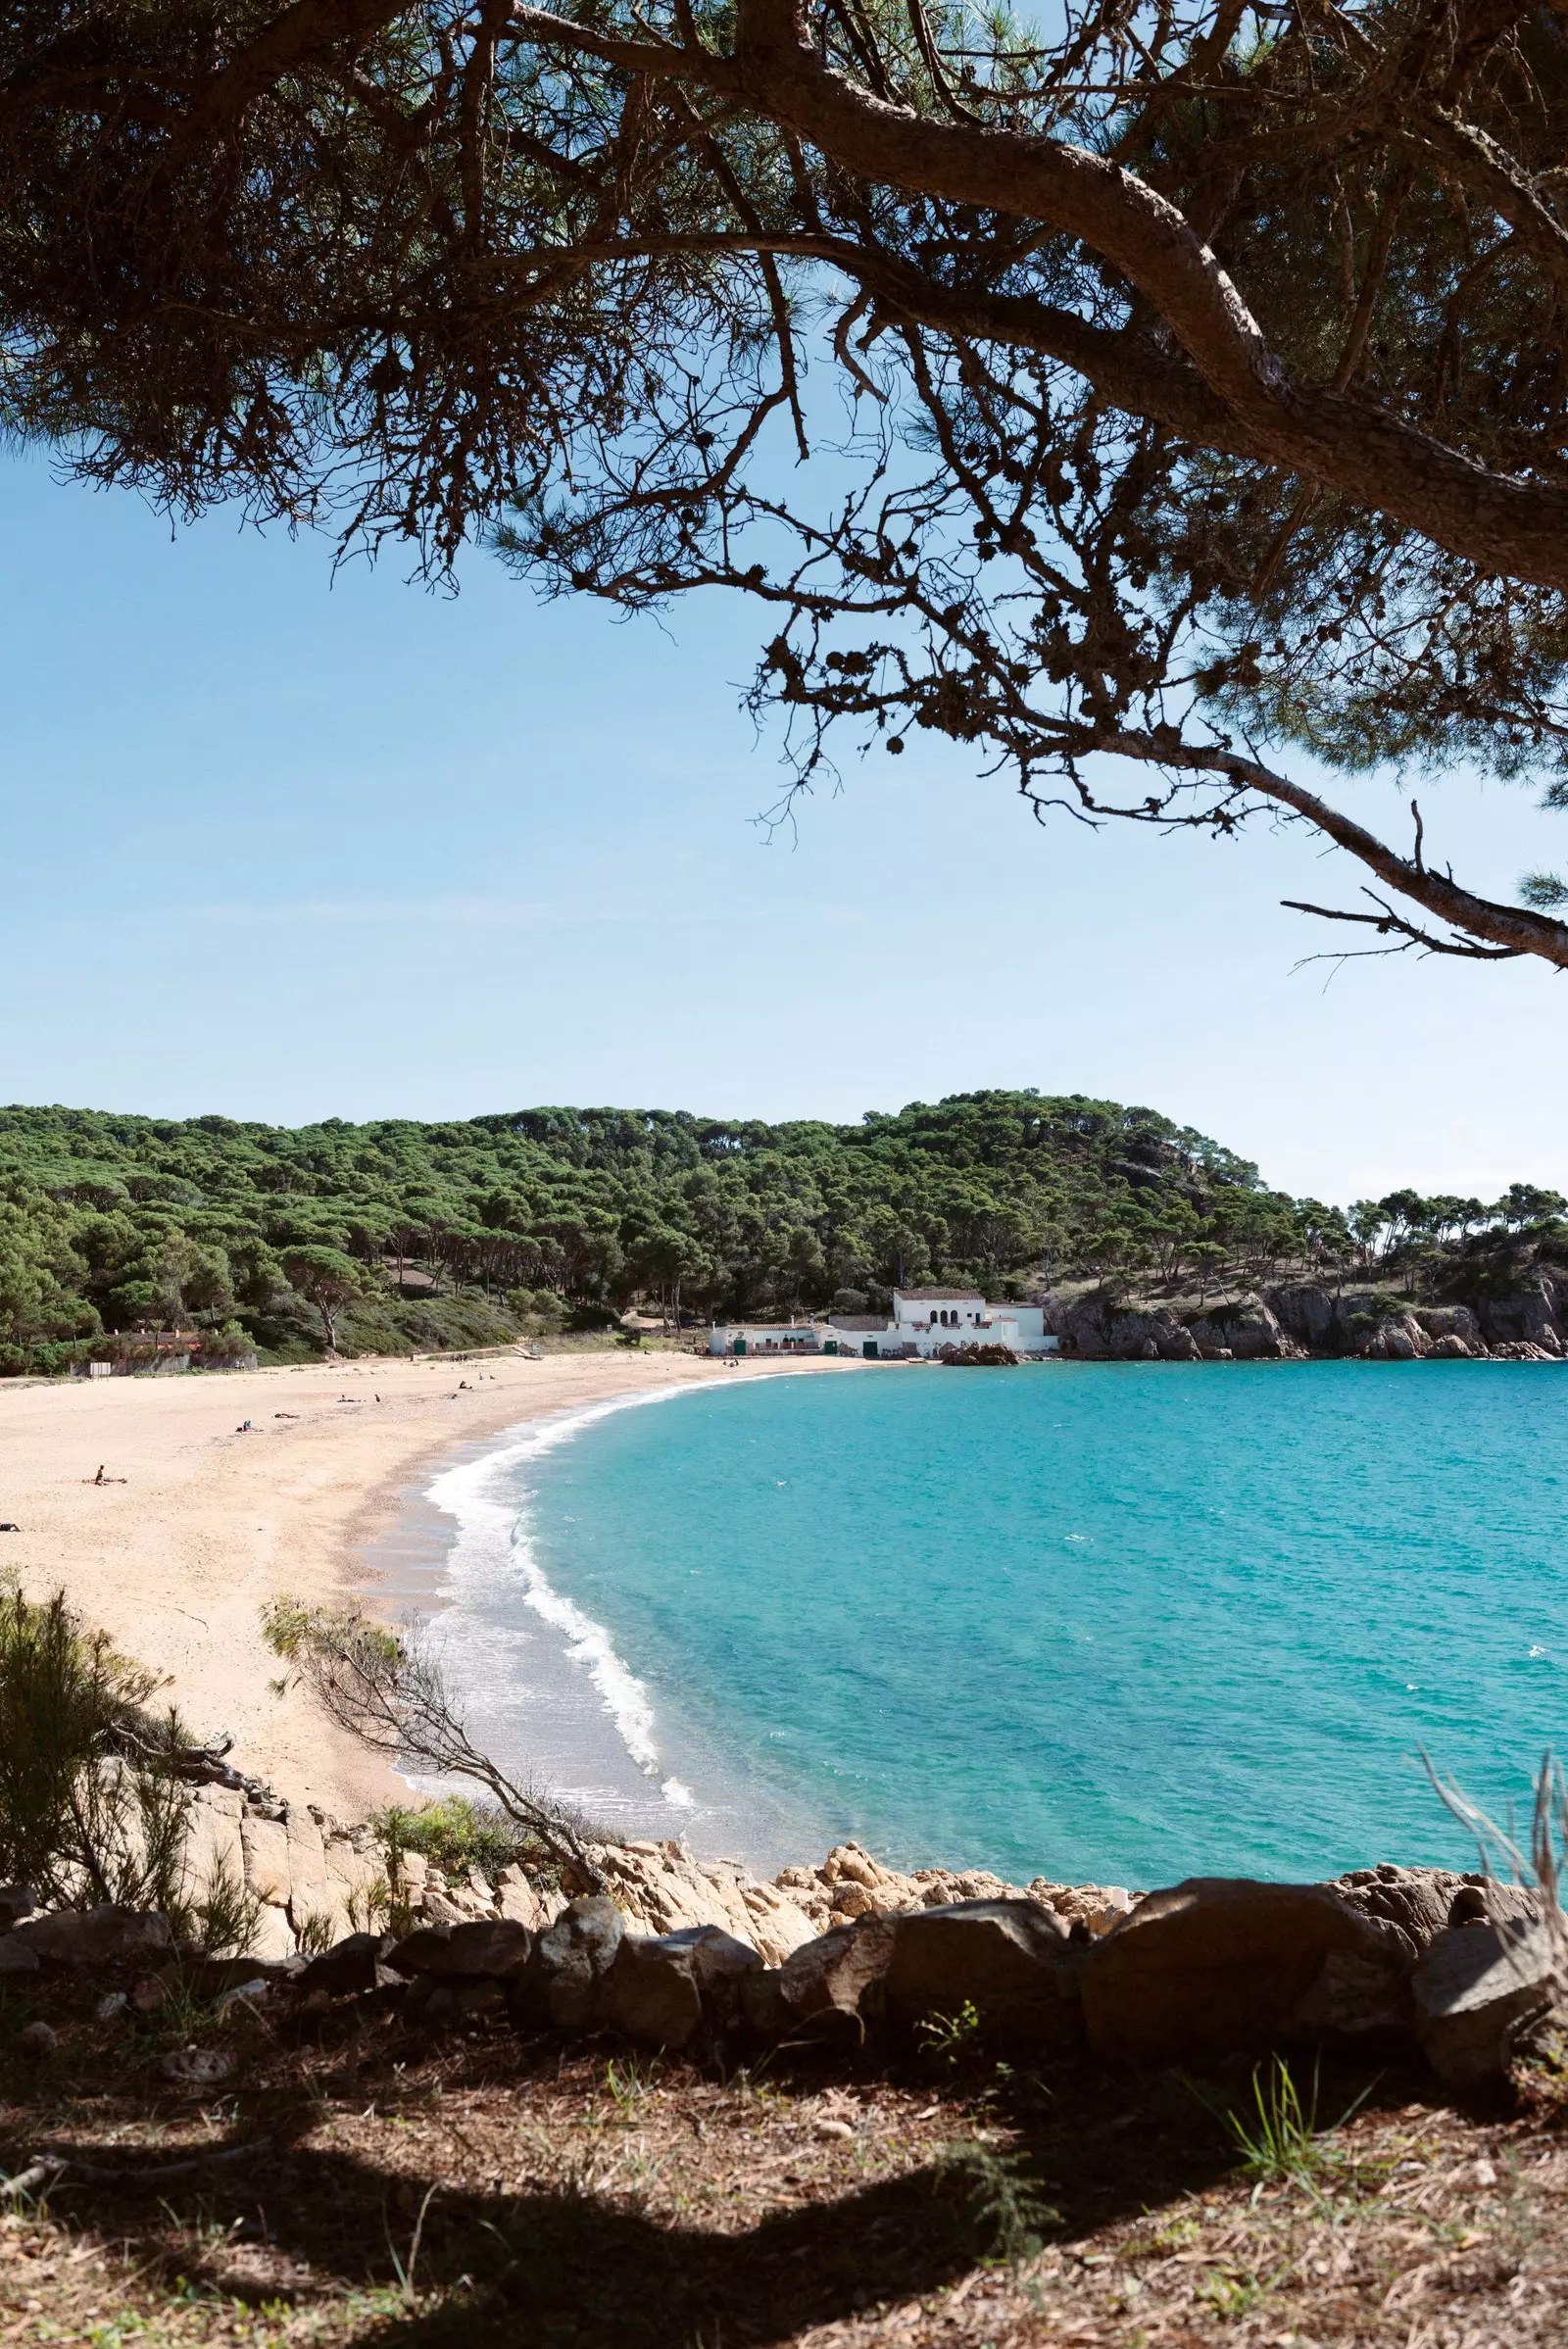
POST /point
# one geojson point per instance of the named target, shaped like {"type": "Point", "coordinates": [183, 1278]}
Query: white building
{"type": "Point", "coordinates": [925, 1320]}
{"type": "Point", "coordinates": [747, 1338]}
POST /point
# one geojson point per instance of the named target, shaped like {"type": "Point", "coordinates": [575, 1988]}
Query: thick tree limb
{"type": "Point", "coordinates": [1514, 928]}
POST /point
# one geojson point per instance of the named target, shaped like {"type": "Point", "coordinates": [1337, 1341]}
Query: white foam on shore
{"type": "Point", "coordinates": [492, 1549]}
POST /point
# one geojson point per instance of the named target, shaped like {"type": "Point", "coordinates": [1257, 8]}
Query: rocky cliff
{"type": "Point", "coordinates": [1303, 1318]}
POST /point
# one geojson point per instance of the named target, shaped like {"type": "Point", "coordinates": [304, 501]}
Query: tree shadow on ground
{"type": "Point", "coordinates": [573, 2258]}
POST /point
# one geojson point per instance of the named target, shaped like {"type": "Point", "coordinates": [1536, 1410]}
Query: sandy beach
{"type": "Point", "coordinates": [176, 1560]}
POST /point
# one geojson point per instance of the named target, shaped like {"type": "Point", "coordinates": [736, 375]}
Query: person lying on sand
{"type": "Point", "coordinates": [101, 1479]}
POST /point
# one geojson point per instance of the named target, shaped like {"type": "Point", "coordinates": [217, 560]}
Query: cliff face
{"type": "Point", "coordinates": [1307, 1318]}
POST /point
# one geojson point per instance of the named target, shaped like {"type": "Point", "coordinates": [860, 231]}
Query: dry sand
{"type": "Point", "coordinates": [176, 1561]}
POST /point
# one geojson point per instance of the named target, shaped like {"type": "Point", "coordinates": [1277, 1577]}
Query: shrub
{"type": "Point", "coordinates": [91, 1804]}
{"type": "Point", "coordinates": [456, 1833]}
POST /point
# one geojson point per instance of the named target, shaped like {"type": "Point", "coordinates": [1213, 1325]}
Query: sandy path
{"type": "Point", "coordinates": [177, 1562]}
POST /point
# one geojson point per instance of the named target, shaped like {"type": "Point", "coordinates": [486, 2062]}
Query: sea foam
{"type": "Point", "coordinates": [492, 1554]}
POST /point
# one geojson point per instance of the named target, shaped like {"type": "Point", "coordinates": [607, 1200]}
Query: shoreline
{"type": "Point", "coordinates": [214, 1518]}
{"type": "Point", "coordinates": [546, 1691]}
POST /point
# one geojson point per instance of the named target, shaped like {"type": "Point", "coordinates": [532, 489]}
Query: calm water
{"type": "Point", "coordinates": [1126, 1622]}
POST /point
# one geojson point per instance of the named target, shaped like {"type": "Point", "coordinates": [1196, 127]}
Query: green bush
{"type": "Point", "coordinates": [455, 1834]}
{"type": "Point", "coordinates": [92, 1807]}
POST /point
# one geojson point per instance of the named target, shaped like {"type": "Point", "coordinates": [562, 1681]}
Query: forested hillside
{"type": "Point", "coordinates": [400, 1233]}
{"type": "Point", "coordinates": [113, 1223]}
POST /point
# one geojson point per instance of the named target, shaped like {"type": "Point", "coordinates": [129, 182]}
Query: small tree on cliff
{"type": "Point", "coordinates": [327, 1280]}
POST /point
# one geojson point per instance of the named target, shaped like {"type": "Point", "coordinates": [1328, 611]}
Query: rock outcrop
{"type": "Point", "coordinates": [1308, 1318]}
{"type": "Point", "coordinates": [1385, 1962]}
{"type": "Point", "coordinates": [851, 1884]}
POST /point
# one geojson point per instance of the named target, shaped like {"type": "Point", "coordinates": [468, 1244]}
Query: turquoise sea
{"type": "Point", "coordinates": [1094, 1621]}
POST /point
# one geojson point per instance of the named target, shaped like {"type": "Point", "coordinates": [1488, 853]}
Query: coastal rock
{"type": "Point", "coordinates": [663, 1992]}
{"type": "Point", "coordinates": [1482, 1994]}
{"type": "Point", "coordinates": [265, 1844]}
{"type": "Point", "coordinates": [1530, 1316]}
{"type": "Point", "coordinates": [1410, 1905]}
{"type": "Point", "coordinates": [16, 1902]}
{"type": "Point", "coordinates": [1246, 1330]}
{"type": "Point", "coordinates": [663, 1888]}
{"type": "Point", "coordinates": [1221, 1965]}
{"type": "Point", "coordinates": [77, 1938]}
{"type": "Point", "coordinates": [1442, 1323]}
{"type": "Point", "coordinates": [1306, 1312]}
{"type": "Point", "coordinates": [273, 1937]}
{"type": "Point", "coordinates": [851, 1884]}
{"type": "Point", "coordinates": [1396, 1338]}
{"type": "Point", "coordinates": [519, 1900]}
{"type": "Point", "coordinates": [1011, 1960]}
{"type": "Point", "coordinates": [1095, 1328]}
{"type": "Point", "coordinates": [559, 1987]}
{"type": "Point", "coordinates": [349, 1966]}
{"type": "Point", "coordinates": [487, 1948]}
{"type": "Point", "coordinates": [310, 1898]}
{"type": "Point", "coordinates": [832, 1987]}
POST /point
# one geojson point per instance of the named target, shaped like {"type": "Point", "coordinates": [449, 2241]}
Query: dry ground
{"type": "Point", "coordinates": [414, 2192]}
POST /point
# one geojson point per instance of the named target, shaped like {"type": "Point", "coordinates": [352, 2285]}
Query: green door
{"type": "Point", "coordinates": [740, 1346]}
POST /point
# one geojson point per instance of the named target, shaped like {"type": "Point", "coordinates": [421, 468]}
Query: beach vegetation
{"type": "Point", "coordinates": [91, 1809]}
{"type": "Point", "coordinates": [95, 1791]}
{"type": "Point", "coordinates": [456, 1832]}
{"type": "Point", "coordinates": [385, 1685]}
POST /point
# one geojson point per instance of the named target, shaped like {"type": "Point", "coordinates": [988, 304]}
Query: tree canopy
{"type": "Point", "coordinates": [114, 1223]}
{"type": "Point", "coordinates": [1205, 365]}
{"type": "Point", "coordinates": [536, 1219]}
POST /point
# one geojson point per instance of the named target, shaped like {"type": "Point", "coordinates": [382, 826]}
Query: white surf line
{"type": "Point", "coordinates": [492, 1547]}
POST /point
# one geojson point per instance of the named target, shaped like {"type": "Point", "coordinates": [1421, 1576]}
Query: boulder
{"type": "Point", "coordinates": [77, 1938]}
{"type": "Point", "coordinates": [1011, 1960]}
{"type": "Point", "coordinates": [1528, 1317]}
{"type": "Point", "coordinates": [16, 1902]}
{"type": "Point", "coordinates": [662, 1889]}
{"type": "Point", "coordinates": [196, 2067]}
{"type": "Point", "coordinates": [663, 1992]}
{"type": "Point", "coordinates": [831, 1988]}
{"type": "Point", "coordinates": [1442, 1323]}
{"type": "Point", "coordinates": [480, 1949]}
{"type": "Point", "coordinates": [1451, 1349]}
{"type": "Point", "coordinates": [1305, 1312]}
{"type": "Point", "coordinates": [558, 1987]}
{"type": "Point", "coordinates": [15, 1955]}
{"type": "Point", "coordinates": [265, 1844]}
{"type": "Point", "coordinates": [1482, 1993]}
{"type": "Point", "coordinates": [1412, 1905]}
{"type": "Point", "coordinates": [1219, 1965]}
{"type": "Point", "coordinates": [1243, 1330]}
{"type": "Point", "coordinates": [347, 1967]}
{"type": "Point", "coordinates": [1397, 1338]}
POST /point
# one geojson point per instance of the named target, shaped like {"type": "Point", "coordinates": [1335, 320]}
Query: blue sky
{"type": "Point", "coordinates": [287, 847]}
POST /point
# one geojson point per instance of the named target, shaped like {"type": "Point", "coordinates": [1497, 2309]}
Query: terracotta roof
{"type": "Point", "coordinates": [942, 1297]}
{"type": "Point", "coordinates": [858, 1321]}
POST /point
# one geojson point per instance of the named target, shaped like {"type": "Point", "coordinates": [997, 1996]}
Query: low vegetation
{"type": "Point", "coordinates": [400, 1235]}
{"type": "Point", "coordinates": [365, 2181]}
{"type": "Point", "coordinates": [386, 1688]}
{"type": "Point", "coordinates": [95, 1793]}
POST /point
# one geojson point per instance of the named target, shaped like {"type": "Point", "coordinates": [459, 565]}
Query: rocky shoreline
{"type": "Point", "coordinates": [1460, 1971]}
{"type": "Point", "coordinates": [1307, 1320]}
